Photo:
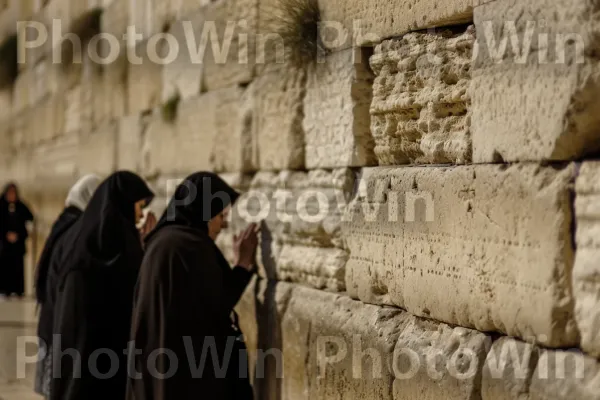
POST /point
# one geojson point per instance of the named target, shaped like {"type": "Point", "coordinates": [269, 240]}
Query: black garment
{"type": "Point", "coordinates": [95, 267]}
{"type": "Point", "coordinates": [13, 217]}
{"type": "Point", "coordinates": [65, 221]}
{"type": "Point", "coordinates": [184, 299]}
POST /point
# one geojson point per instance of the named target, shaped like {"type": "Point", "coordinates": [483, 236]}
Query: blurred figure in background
{"type": "Point", "coordinates": [76, 202]}
{"type": "Point", "coordinates": [95, 268]}
{"type": "Point", "coordinates": [14, 215]}
{"type": "Point", "coordinates": [185, 299]}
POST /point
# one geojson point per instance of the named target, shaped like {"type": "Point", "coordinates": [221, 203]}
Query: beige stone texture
{"type": "Point", "coordinates": [234, 24]}
{"type": "Point", "coordinates": [181, 9]}
{"type": "Point", "coordinates": [334, 347]}
{"type": "Point", "coordinates": [508, 370]}
{"type": "Point", "coordinates": [6, 103]}
{"type": "Point", "coordinates": [48, 121]}
{"type": "Point", "coordinates": [144, 79]}
{"type": "Point", "coordinates": [336, 112]}
{"type": "Point", "coordinates": [183, 76]}
{"type": "Point", "coordinates": [370, 22]}
{"type": "Point", "coordinates": [565, 375]}
{"type": "Point", "coordinates": [538, 104]}
{"type": "Point", "coordinates": [129, 143]}
{"type": "Point", "coordinates": [279, 95]}
{"type": "Point", "coordinates": [97, 150]}
{"type": "Point", "coordinates": [227, 117]}
{"type": "Point", "coordinates": [420, 112]}
{"type": "Point", "coordinates": [148, 16]}
{"type": "Point", "coordinates": [57, 160]}
{"type": "Point", "coordinates": [73, 110]}
{"type": "Point", "coordinates": [202, 137]}
{"type": "Point", "coordinates": [449, 243]}
{"type": "Point", "coordinates": [21, 91]}
{"type": "Point", "coordinates": [301, 238]}
{"type": "Point", "coordinates": [586, 285]}
{"type": "Point", "coordinates": [115, 19]}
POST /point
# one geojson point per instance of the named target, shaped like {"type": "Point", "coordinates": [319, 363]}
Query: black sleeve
{"type": "Point", "coordinates": [236, 284]}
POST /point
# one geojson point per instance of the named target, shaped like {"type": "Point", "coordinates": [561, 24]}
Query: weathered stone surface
{"type": "Point", "coordinates": [565, 375]}
{"type": "Point", "coordinates": [370, 22]}
{"type": "Point", "coordinates": [129, 143]}
{"type": "Point", "coordinates": [144, 79]}
{"type": "Point", "coordinates": [508, 370]}
{"type": "Point", "coordinates": [301, 238]}
{"type": "Point", "coordinates": [334, 346]}
{"type": "Point", "coordinates": [73, 110]}
{"type": "Point", "coordinates": [233, 25]}
{"type": "Point", "coordinates": [181, 9]}
{"type": "Point", "coordinates": [420, 111]}
{"type": "Point", "coordinates": [183, 76]}
{"type": "Point", "coordinates": [48, 122]}
{"type": "Point", "coordinates": [202, 137]}
{"type": "Point", "coordinates": [450, 243]}
{"type": "Point", "coordinates": [279, 95]}
{"type": "Point", "coordinates": [57, 160]}
{"type": "Point", "coordinates": [586, 283]}
{"type": "Point", "coordinates": [21, 92]}
{"type": "Point", "coordinates": [336, 112]}
{"type": "Point", "coordinates": [97, 150]}
{"type": "Point", "coordinates": [148, 16]}
{"type": "Point", "coordinates": [228, 115]}
{"type": "Point", "coordinates": [540, 103]}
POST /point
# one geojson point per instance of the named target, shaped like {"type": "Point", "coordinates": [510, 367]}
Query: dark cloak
{"type": "Point", "coordinates": [95, 266]}
{"type": "Point", "coordinates": [13, 218]}
{"type": "Point", "coordinates": [65, 221]}
{"type": "Point", "coordinates": [186, 293]}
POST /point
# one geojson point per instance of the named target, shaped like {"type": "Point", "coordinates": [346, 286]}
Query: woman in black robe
{"type": "Point", "coordinates": [96, 266]}
{"type": "Point", "coordinates": [14, 215]}
{"type": "Point", "coordinates": [185, 299]}
{"type": "Point", "coordinates": [77, 200]}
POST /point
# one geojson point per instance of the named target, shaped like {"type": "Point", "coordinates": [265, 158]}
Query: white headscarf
{"type": "Point", "coordinates": [81, 193]}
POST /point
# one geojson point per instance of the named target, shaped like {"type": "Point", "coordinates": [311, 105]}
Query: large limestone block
{"type": "Point", "coordinates": [230, 26]}
{"type": "Point", "coordinates": [518, 371]}
{"type": "Point", "coordinates": [420, 111]}
{"type": "Point", "coordinates": [150, 17]}
{"type": "Point", "coordinates": [565, 375]}
{"type": "Point", "coordinates": [210, 133]}
{"type": "Point", "coordinates": [144, 78]}
{"type": "Point", "coordinates": [508, 369]}
{"type": "Point", "coordinates": [129, 143]}
{"type": "Point", "coordinates": [336, 112]}
{"type": "Point", "coordinates": [183, 76]}
{"type": "Point", "coordinates": [536, 101]}
{"type": "Point", "coordinates": [437, 361]}
{"type": "Point", "coordinates": [180, 9]}
{"type": "Point", "coordinates": [97, 150]}
{"type": "Point", "coordinates": [586, 285]}
{"type": "Point", "coordinates": [73, 110]}
{"type": "Point", "coordinates": [21, 91]}
{"type": "Point", "coordinates": [48, 122]}
{"type": "Point", "coordinates": [334, 347]}
{"type": "Point", "coordinates": [350, 23]}
{"type": "Point", "coordinates": [57, 160]}
{"type": "Point", "coordinates": [450, 243]}
{"type": "Point", "coordinates": [278, 118]}
{"type": "Point", "coordinates": [301, 239]}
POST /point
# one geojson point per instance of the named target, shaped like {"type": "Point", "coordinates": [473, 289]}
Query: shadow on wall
{"type": "Point", "coordinates": [267, 385]}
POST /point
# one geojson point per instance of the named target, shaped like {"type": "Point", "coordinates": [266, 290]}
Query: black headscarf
{"type": "Point", "coordinates": [198, 199]}
{"type": "Point", "coordinates": [108, 223]}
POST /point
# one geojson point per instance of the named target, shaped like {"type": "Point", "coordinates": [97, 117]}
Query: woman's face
{"type": "Point", "coordinates": [218, 223]}
{"type": "Point", "coordinates": [139, 210]}
{"type": "Point", "coordinates": [11, 195]}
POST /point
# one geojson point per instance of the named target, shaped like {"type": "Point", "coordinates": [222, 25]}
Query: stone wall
{"type": "Point", "coordinates": [426, 183]}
